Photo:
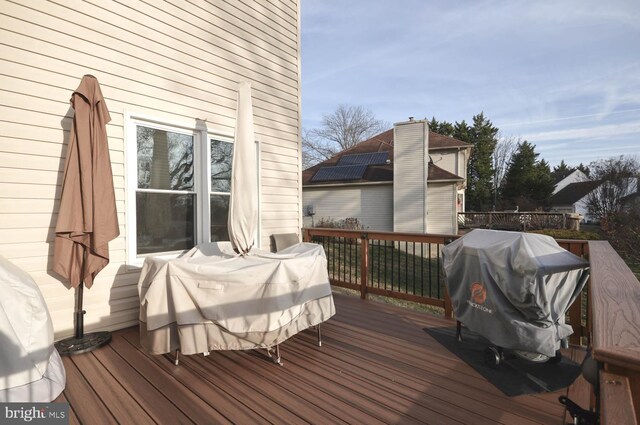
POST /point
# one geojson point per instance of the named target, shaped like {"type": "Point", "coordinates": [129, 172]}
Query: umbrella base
{"type": "Point", "coordinates": [72, 346]}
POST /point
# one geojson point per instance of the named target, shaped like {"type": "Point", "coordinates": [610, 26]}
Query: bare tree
{"type": "Point", "coordinates": [618, 177]}
{"type": "Point", "coordinates": [347, 126]}
{"type": "Point", "coordinates": [504, 150]}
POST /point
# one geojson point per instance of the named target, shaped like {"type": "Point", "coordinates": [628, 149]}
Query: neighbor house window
{"type": "Point", "coordinates": [179, 183]}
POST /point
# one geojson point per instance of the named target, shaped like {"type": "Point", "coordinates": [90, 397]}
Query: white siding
{"type": "Point", "coordinates": [446, 160]}
{"type": "Point", "coordinates": [371, 205]}
{"type": "Point", "coordinates": [173, 60]}
{"type": "Point", "coordinates": [441, 208]}
{"type": "Point", "coordinates": [410, 176]}
{"type": "Point", "coordinates": [453, 161]}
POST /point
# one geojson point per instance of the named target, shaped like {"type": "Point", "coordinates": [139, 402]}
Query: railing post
{"type": "Point", "coordinates": [575, 319]}
{"type": "Point", "coordinates": [364, 264]}
{"type": "Point", "coordinates": [490, 219]}
{"type": "Point", "coordinates": [306, 235]}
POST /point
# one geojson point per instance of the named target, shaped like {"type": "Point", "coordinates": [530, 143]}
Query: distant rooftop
{"type": "Point", "coordinates": [573, 192]}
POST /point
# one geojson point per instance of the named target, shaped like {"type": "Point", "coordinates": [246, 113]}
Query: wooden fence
{"type": "Point", "coordinates": [517, 220]}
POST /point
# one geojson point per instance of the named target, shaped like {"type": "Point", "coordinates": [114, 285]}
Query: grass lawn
{"type": "Point", "coordinates": [407, 268]}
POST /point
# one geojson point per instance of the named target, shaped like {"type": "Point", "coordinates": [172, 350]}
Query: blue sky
{"type": "Point", "coordinates": [564, 75]}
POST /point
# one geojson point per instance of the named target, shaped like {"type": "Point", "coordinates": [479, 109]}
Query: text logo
{"type": "Point", "coordinates": [478, 297]}
{"type": "Point", "coordinates": [34, 413]}
{"type": "Point", "coordinates": [478, 293]}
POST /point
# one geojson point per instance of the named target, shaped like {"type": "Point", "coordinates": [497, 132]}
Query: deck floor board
{"type": "Point", "coordinates": [376, 365]}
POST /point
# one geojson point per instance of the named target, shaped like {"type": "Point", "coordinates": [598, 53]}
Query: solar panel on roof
{"type": "Point", "coordinates": [371, 158]}
{"type": "Point", "coordinates": [339, 172]}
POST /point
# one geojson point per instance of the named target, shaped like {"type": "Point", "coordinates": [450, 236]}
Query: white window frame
{"type": "Point", "coordinates": [202, 178]}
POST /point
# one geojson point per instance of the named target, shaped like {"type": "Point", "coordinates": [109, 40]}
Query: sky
{"type": "Point", "coordinates": [561, 74]}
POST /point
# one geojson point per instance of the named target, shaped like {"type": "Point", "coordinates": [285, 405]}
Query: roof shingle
{"type": "Point", "coordinates": [573, 192]}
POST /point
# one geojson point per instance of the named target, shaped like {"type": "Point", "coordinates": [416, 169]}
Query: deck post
{"type": "Point", "coordinates": [575, 320]}
{"type": "Point", "coordinates": [364, 264]}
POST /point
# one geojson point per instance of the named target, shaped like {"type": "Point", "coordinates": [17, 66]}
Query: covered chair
{"type": "Point", "coordinates": [30, 368]}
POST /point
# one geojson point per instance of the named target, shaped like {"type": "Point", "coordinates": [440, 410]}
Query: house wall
{"type": "Point", "coordinates": [371, 205]}
{"type": "Point", "coordinates": [452, 161]}
{"type": "Point", "coordinates": [173, 60]}
{"type": "Point", "coordinates": [441, 208]}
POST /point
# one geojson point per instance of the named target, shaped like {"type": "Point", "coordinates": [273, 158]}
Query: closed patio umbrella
{"type": "Point", "coordinates": [243, 205]}
{"type": "Point", "coordinates": [87, 219]}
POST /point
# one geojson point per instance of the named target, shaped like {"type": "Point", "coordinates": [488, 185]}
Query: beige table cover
{"type": "Point", "coordinates": [212, 298]}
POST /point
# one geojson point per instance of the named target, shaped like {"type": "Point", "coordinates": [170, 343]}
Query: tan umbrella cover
{"type": "Point", "coordinates": [243, 205]}
{"type": "Point", "coordinates": [87, 219]}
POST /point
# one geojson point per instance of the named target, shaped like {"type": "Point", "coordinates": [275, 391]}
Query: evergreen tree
{"type": "Point", "coordinates": [483, 136]}
{"type": "Point", "coordinates": [584, 169]}
{"type": "Point", "coordinates": [562, 169]}
{"type": "Point", "coordinates": [441, 127]}
{"type": "Point", "coordinates": [528, 182]}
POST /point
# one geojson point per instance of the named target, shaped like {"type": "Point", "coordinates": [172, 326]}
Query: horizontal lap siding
{"type": "Point", "coordinates": [441, 208]}
{"type": "Point", "coordinates": [371, 205]}
{"type": "Point", "coordinates": [176, 60]}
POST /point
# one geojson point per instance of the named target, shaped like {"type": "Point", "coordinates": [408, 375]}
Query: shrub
{"type": "Point", "coordinates": [349, 223]}
{"type": "Point", "coordinates": [570, 234]}
{"type": "Point", "coordinates": [623, 232]}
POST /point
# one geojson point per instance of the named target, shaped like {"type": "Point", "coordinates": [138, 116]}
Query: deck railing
{"type": "Point", "coordinates": [615, 324]}
{"type": "Point", "coordinates": [517, 220]}
{"type": "Point", "coordinates": [407, 266]}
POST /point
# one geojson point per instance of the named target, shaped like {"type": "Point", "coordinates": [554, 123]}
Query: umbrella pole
{"type": "Point", "coordinates": [81, 343]}
{"type": "Point", "coordinates": [79, 322]}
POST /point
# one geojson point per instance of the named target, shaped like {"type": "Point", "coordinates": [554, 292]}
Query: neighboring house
{"type": "Point", "coordinates": [169, 72]}
{"type": "Point", "coordinates": [572, 199]}
{"type": "Point", "coordinates": [407, 179]}
{"type": "Point", "coordinates": [562, 181]}
{"type": "Point", "coordinates": [631, 201]}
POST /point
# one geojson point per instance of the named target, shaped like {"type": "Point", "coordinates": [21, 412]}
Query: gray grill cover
{"type": "Point", "coordinates": [513, 288]}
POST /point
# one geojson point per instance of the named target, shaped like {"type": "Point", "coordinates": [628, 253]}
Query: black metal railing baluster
{"type": "Point", "coordinates": [422, 268]}
{"type": "Point", "coordinates": [438, 269]}
{"type": "Point", "coordinates": [430, 273]}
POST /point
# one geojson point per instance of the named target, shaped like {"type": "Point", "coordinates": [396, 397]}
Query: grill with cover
{"type": "Point", "coordinates": [514, 288]}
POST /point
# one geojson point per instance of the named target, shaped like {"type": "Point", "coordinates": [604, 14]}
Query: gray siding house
{"type": "Point", "coordinates": [406, 179]}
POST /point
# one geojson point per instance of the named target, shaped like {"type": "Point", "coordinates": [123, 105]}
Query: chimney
{"type": "Point", "coordinates": [410, 158]}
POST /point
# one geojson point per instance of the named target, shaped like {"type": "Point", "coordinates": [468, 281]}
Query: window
{"type": "Point", "coordinates": [221, 155]}
{"type": "Point", "coordinates": [165, 194]}
{"type": "Point", "coordinates": [179, 186]}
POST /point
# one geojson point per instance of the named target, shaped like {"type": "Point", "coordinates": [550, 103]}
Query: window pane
{"type": "Point", "coordinates": [221, 154]}
{"type": "Point", "coordinates": [165, 222]}
{"type": "Point", "coordinates": [219, 215]}
{"type": "Point", "coordinates": [165, 159]}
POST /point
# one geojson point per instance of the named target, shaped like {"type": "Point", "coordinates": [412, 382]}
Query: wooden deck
{"type": "Point", "coordinates": [376, 365]}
